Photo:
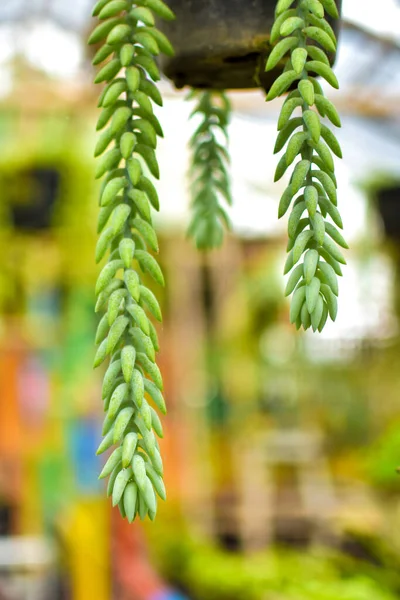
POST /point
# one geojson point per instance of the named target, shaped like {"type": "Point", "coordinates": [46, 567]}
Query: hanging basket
{"type": "Point", "coordinates": [221, 44]}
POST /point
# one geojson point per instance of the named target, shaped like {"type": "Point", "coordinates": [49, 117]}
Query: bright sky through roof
{"type": "Point", "coordinates": [381, 17]}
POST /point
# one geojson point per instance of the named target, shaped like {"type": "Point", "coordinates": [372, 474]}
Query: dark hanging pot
{"type": "Point", "coordinates": [221, 44]}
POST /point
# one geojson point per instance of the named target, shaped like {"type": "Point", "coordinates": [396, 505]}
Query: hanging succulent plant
{"type": "Point", "coordinates": [126, 334]}
{"type": "Point", "coordinates": [312, 188]}
{"type": "Point", "coordinates": [210, 182]}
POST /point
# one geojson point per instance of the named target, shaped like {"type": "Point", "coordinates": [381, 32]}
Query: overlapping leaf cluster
{"type": "Point", "coordinates": [301, 29]}
{"type": "Point", "coordinates": [210, 187]}
{"type": "Point", "coordinates": [126, 334]}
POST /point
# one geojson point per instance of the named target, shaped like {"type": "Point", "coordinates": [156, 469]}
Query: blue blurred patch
{"type": "Point", "coordinates": [168, 595]}
{"type": "Point", "coordinates": [83, 440]}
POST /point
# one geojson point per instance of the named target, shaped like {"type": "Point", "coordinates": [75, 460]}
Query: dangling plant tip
{"type": "Point", "coordinates": [210, 182]}
{"type": "Point", "coordinates": [302, 38]}
{"type": "Point", "coordinates": [126, 334]}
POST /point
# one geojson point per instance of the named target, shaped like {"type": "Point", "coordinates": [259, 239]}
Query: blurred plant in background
{"type": "Point", "coordinates": [321, 574]}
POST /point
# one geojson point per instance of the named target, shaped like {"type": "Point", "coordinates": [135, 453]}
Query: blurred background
{"type": "Point", "coordinates": [281, 448]}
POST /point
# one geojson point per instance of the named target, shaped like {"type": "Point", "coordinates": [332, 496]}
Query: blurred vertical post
{"type": "Point", "coordinates": [87, 536]}
{"type": "Point", "coordinates": [188, 386]}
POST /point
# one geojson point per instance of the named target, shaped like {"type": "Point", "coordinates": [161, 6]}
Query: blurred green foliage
{"type": "Point", "coordinates": [207, 572]}
{"type": "Point", "coordinates": [383, 458]}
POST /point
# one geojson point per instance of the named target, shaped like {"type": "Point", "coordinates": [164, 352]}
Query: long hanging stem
{"type": "Point", "coordinates": [301, 28]}
{"type": "Point", "coordinates": [210, 180]}
{"type": "Point", "coordinates": [126, 334]}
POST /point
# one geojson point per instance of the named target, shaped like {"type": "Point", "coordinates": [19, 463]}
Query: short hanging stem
{"type": "Point", "coordinates": [209, 174]}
